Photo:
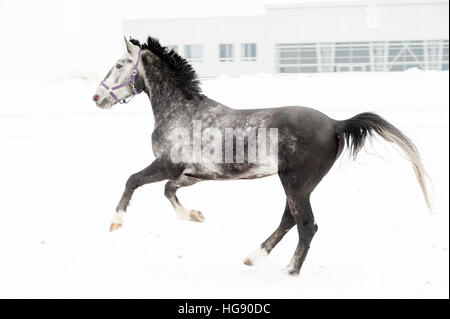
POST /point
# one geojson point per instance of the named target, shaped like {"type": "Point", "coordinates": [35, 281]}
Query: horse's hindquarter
{"type": "Point", "coordinates": [308, 145]}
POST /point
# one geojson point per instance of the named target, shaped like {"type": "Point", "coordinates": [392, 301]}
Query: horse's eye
{"type": "Point", "coordinates": [118, 66]}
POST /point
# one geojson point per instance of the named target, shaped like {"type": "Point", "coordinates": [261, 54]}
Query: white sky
{"type": "Point", "coordinates": [53, 36]}
{"type": "Point", "coordinates": [48, 36]}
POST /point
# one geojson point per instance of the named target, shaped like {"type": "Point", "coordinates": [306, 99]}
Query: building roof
{"type": "Point", "coordinates": [336, 3]}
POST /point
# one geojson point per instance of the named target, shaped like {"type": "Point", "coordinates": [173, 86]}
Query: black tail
{"type": "Point", "coordinates": [355, 130]}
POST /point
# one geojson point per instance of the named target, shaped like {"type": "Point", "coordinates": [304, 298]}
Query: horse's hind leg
{"type": "Point", "coordinates": [287, 222]}
{"type": "Point", "coordinates": [306, 230]}
{"type": "Point", "coordinates": [180, 210]}
{"type": "Point", "coordinates": [298, 200]}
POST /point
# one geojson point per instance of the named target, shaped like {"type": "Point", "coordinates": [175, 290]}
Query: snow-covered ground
{"type": "Point", "coordinates": [64, 163]}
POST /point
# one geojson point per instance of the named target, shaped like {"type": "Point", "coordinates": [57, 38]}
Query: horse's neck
{"type": "Point", "coordinates": [167, 100]}
{"type": "Point", "coordinates": [170, 104]}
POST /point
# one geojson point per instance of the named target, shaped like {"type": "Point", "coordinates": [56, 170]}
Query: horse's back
{"type": "Point", "coordinates": [293, 122]}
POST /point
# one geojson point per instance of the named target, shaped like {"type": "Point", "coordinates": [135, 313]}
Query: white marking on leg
{"type": "Point", "coordinates": [118, 217]}
{"type": "Point", "coordinates": [256, 256]}
{"type": "Point", "coordinates": [182, 213]}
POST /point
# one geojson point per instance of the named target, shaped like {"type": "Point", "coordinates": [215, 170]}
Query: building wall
{"type": "Point", "coordinates": [359, 22]}
{"type": "Point", "coordinates": [315, 22]}
{"type": "Point", "coordinates": [210, 32]}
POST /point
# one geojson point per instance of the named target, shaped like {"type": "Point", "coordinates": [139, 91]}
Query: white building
{"type": "Point", "coordinates": [311, 37]}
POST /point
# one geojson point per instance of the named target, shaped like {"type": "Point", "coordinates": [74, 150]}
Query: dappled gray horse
{"type": "Point", "coordinates": [189, 144]}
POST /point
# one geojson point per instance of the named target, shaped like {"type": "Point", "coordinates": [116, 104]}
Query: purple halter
{"type": "Point", "coordinates": [130, 82]}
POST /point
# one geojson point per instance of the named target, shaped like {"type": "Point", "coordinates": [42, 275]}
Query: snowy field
{"type": "Point", "coordinates": [64, 164]}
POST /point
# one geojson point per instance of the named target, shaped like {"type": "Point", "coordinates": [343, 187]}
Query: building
{"type": "Point", "coordinates": [348, 36]}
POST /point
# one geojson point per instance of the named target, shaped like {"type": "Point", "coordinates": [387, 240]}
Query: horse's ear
{"type": "Point", "coordinates": [130, 46]}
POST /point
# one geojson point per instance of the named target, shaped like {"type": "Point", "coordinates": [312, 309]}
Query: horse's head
{"type": "Point", "coordinates": [120, 84]}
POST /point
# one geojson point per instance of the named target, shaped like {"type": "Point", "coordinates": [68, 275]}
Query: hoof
{"type": "Point", "coordinates": [196, 216]}
{"type": "Point", "coordinates": [247, 262]}
{"type": "Point", "coordinates": [291, 272]}
{"type": "Point", "coordinates": [115, 226]}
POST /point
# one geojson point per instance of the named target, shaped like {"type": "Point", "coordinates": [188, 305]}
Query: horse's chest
{"type": "Point", "coordinates": [159, 145]}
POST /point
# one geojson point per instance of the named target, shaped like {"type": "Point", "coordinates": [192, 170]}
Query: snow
{"type": "Point", "coordinates": [64, 164]}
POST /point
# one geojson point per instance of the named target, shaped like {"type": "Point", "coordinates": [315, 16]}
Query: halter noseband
{"type": "Point", "coordinates": [130, 82]}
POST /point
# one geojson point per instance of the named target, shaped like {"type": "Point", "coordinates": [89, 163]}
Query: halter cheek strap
{"type": "Point", "coordinates": [130, 82]}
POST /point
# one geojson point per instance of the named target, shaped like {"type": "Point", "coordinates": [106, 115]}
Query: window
{"type": "Point", "coordinates": [403, 55]}
{"type": "Point", "coordinates": [226, 53]}
{"type": "Point", "coordinates": [193, 52]}
{"type": "Point", "coordinates": [362, 56]}
{"type": "Point", "coordinates": [173, 47]}
{"type": "Point", "coordinates": [444, 55]}
{"type": "Point", "coordinates": [352, 53]}
{"type": "Point", "coordinates": [298, 57]}
{"type": "Point", "coordinates": [248, 52]}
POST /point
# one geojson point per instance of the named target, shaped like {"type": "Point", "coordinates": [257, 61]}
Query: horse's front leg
{"type": "Point", "coordinates": [155, 172]}
{"type": "Point", "coordinates": [170, 192]}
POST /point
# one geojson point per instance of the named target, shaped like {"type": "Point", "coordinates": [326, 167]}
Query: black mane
{"type": "Point", "coordinates": [182, 73]}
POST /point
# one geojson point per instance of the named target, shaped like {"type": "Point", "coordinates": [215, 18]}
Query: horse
{"type": "Point", "coordinates": [307, 141]}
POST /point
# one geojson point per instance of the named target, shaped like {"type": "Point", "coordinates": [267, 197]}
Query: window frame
{"type": "Point", "coordinates": [188, 47]}
{"type": "Point", "coordinates": [245, 50]}
{"type": "Point", "coordinates": [362, 56]}
{"type": "Point", "coordinates": [229, 50]}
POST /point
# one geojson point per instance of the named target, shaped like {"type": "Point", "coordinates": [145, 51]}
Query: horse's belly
{"type": "Point", "coordinates": [224, 171]}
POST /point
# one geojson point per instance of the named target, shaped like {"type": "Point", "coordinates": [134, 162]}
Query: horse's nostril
{"type": "Point", "coordinates": [95, 98]}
